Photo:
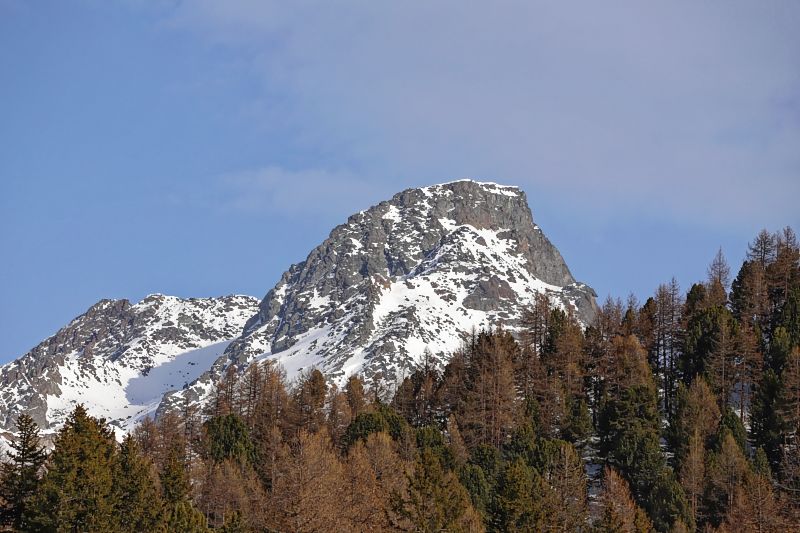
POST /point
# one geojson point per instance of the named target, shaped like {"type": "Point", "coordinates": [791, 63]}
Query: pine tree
{"type": "Point", "coordinates": [183, 517]}
{"type": "Point", "coordinates": [174, 480]}
{"type": "Point", "coordinates": [435, 500]}
{"type": "Point", "coordinates": [524, 501]}
{"type": "Point", "coordinates": [136, 498]}
{"type": "Point", "coordinates": [767, 424]}
{"type": "Point", "coordinates": [227, 439]}
{"type": "Point", "coordinates": [20, 475]}
{"type": "Point", "coordinates": [77, 492]}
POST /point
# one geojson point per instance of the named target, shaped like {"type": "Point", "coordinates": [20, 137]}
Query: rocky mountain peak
{"type": "Point", "coordinates": [416, 272]}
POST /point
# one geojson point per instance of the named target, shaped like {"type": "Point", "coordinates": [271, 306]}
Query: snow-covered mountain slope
{"type": "Point", "coordinates": [119, 359]}
{"type": "Point", "coordinates": [413, 273]}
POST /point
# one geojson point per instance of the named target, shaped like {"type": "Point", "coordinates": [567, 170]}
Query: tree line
{"type": "Point", "coordinates": [678, 414]}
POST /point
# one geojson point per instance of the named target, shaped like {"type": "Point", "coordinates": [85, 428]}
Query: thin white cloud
{"type": "Point", "coordinates": [684, 108]}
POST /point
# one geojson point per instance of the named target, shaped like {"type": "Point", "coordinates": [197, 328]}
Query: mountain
{"type": "Point", "coordinates": [119, 359]}
{"type": "Point", "coordinates": [414, 273]}
{"type": "Point", "coordinates": [417, 272]}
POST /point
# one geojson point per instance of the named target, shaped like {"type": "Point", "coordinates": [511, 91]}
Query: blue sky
{"type": "Point", "coordinates": [198, 148]}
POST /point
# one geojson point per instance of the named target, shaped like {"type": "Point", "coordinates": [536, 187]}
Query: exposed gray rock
{"type": "Point", "coordinates": [415, 272]}
{"type": "Point", "coordinates": [102, 358]}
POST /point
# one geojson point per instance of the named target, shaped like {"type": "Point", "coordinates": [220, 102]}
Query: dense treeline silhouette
{"type": "Point", "coordinates": [679, 414]}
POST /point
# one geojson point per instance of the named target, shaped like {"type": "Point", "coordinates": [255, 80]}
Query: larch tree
{"type": "Point", "coordinates": [618, 512]}
{"type": "Point", "coordinates": [567, 477]}
{"type": "Point", "coordinates": [717, 280]}
{"type": "Point", "coordinates": [305, 494]}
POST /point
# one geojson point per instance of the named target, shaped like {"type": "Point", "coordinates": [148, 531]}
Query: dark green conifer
{"type": "Point", "coordinates": [436, 501]}
{"type": "Point", "coordinates": [77, 492]}
{"type": "Point", "coordinates": [138, 503]}
{"type": "Point", "coordinates": [20, 475]}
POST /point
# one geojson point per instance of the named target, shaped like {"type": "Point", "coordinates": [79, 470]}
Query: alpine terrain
{"type": "Point", "coordinates": [119, 359]}
{"type": "Point", "coordinates": [415, 273]}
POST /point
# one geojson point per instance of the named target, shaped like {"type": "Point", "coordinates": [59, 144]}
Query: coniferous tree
{"type": "Point", "coordinates": [174, 480]}
{"type": "Point", "coordinates": [77, 492]}
{"type": "Point", "coordinates": [567, 478]}
{"type": "Point", "coordinates": [308, 401]}
{"type": "Point", "coordinates": [486, 414]}
{"type": "Point", "coordinates": [718, 278]}
{"type": "Point", "coordinates": [305, 494]}
{"type": "Point", "coordinates": [692, 472]}
{"type": "Point", "coordinates": [523, 501]}
{"type": "Point", "coordinates": [356, 397]}
{"type": "Point", "coordinates": [136, 498]}
{"type": "Point", "coordinates": [435, 499]}
{"type": "Point", "coordinates": [767, 424]}
{"type": "Point", "coordinates": [227, 439]}
{"type": "Point", "coordinates": [726, 471]}
{"type": "Point", "coordinates": [20, 474]}
{"type": "Point", "coordinates": [619, 513]}
{"type": "Point", "coordinates": [183, 517]}
{"type": "Point", "coordinates": [696, 413]}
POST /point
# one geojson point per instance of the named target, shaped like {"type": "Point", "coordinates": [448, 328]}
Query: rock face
{"type": "Point", "coordinates": [413, 273]}
{"type": "Point", "coordinates": [119, 359]}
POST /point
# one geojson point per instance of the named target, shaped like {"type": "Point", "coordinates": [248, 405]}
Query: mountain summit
{"type": "Point", "coordinates": [415, 273]}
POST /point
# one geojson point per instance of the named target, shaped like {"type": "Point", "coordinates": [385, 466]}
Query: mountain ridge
{"type": "Point", "coordinates": [413, 273]}
{"type": "Point", "coordinates": [410, 274]}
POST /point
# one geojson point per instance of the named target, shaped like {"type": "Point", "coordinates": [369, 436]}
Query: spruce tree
{"type": "Point", "coordinates": [435, 500]}
{"type": "Point", "coordinates": [77, 492]}
{"type": "Point", "coordinates": [137, 501]}
{"type": "Point", "coordinates": [20, 475]}
{"type": "Point", "coordinates": [183, 517]}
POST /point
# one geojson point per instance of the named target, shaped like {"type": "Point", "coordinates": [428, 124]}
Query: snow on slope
{"type": "Point", "coordinates": [416, 272]}
{"type": "Point", "coordinates": [120, 359]}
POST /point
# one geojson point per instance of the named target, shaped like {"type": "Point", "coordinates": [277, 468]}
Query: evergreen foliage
{"type": "Point", "coordinates": [684, 413]}
{"type": "Point", "coordinates": [77, 492]}
{"type": "Point", "coordinates": [20, 475]}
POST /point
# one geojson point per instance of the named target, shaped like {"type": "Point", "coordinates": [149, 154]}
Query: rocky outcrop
{"type": "Point", "coordinates": [412, 273]}
{"type": "Point", "coordinates": [120, 358]}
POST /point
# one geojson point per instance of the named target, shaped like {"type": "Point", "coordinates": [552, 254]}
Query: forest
{"type": "Point", "coordinates": [677, 414]}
